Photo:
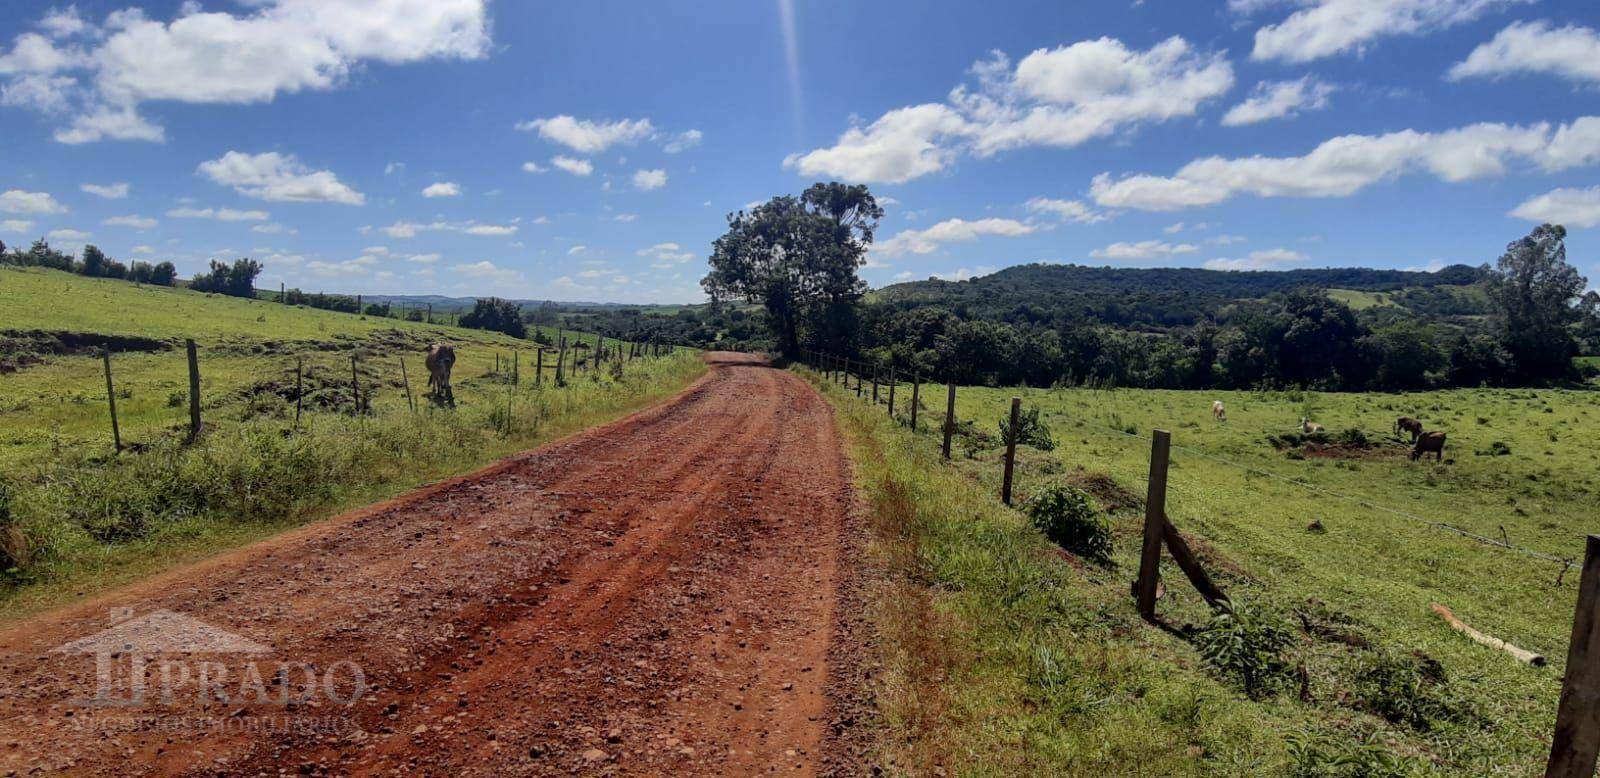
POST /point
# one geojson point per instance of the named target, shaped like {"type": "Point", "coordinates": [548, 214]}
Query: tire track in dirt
{"type": "Point", "coordinates": [655, 595]}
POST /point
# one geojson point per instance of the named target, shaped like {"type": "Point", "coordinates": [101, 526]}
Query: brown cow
{"type": "Point", "coordinates": [1429, 442]}
{"type": "Point", "coordinates": [441, 357]}
{"type": "Point", "coordinates": [1410, 425]}
{"type": "Point", "coordinates": [1309, 427]}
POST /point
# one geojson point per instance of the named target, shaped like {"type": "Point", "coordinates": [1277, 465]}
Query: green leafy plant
{"type": "Point", "coordinates": [1248, 645]}
{"type": "Point", "coordinates": [1030, 430]}
{"type": "Point", "coordinates": [1400, 687]}
{"type": "Point", "coordinates": [1066, 515]}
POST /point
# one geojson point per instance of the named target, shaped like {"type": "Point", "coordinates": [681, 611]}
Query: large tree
{"type": "Point", "coordinates": [1537, 299]}
{"type": "Point", "coordinates": [798, 258]}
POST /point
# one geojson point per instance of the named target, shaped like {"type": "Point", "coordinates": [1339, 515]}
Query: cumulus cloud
{"type": "Point", "coordinates": [683, 141]}
{"type": "Point", "coordinates": [1566, 206]}
{"type": "Point", "coordinates": [15, 225]}
{"type": "Point", "coordinates": [69, 235]}
{"type": "Point", "coordinates": [589, 137]}
{"type": "Point", "coordinates": [278, 177]}
{"type": "Point", "coordinates": [1066, 210]}
{"type": "Point", "coordinates": [489, 271]}
{"type": "Point", "coordinates": [666, 255]}
{"type": "Point", "coordinates": [950, 231]}
{"type": "Point", "coordinates": [219, 214]}
{"type": "Point", "coordinates": [1144, 249]}
{"type": "Point", "coordinates": [1344, 165]}
{"type": "Point", "coordinates": [577, 167]}
{"type": "Point", "coordinates": [136, 222]}
{"type": "Point", "coordinates": [281, 47]}
{"type": "Point", "coordinates": [442, 189]}
{"type": "Point", "coordinates": [108, 191]}
{"type": "Point", "coordinates": [404, 229]}
{"type": "Point", "coordinates": [625, 217]}
{"type": "Point", "coordinates": [1060, 97]}
{"type": "Point", "coordinates": [19, 201]}
{"type": "Point", "coordinates": [649, 179]}
{"type": "Point", "coordinates": [1279, 100]}
{"type": "Point", "coordinates": [1569, 52]}
{"type": "Point", "coordinates": [1323, 28]}
{"type": "Point", "coordinates": [491, 230]}
{"type": "Point", "coordinates": [1268, 259]}
{"type": "Point", "coordinates": [534, 167]}
{"type": "Point", "coordinates": [274, 229]}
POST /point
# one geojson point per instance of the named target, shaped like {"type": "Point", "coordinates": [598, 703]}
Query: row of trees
{"type": "Point", "coordinates": [798, 257]}
{"type": "Point", "coordinates": [94, 264]}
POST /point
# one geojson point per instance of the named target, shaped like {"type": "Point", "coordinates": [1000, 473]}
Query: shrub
{"type": "Point", "coordinates": [1353, 438]}
{"type": "Point", "coordinates": [1030, 431]}
{"type": "Point", "coordinates": [1248, 646]}
{"type": "Point", "coordinates": [15, 546]}
{"type": "Point", "coordinates": [1315, 756]}
{"type": "Point", "coordinates": [1067, 516]}
{"type": "Point", "coordinates": [1401, 688]}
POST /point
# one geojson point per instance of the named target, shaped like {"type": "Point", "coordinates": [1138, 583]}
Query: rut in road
{"type": "Point", "coordinates": [655, 595]}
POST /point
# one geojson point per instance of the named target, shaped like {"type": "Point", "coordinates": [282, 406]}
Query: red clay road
{"type": "Point", "coordinates": [654, 596]}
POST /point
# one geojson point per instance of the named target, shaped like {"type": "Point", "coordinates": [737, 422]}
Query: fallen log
{"type": "Point", "coordinates": [1491, 641]}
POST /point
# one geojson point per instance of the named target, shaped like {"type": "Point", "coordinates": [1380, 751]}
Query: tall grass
{"type": "Point", "coordinates": [78, 514]}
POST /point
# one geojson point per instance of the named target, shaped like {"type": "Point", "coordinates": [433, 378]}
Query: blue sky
{"type": "Point", "coordinates": [590, 151]}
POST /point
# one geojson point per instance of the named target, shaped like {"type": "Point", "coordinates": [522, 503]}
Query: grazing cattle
{"type": "Point", "coordinates": [1429, 442]}
{"type": "Point", "coordinates": [1218, 412]}
{"type": "Point", "coordinates": [1309, 427]}
{"type": "Point", "coordinates": [441, 357]}
{"type": "Point", "coordinates": [1410, 425]}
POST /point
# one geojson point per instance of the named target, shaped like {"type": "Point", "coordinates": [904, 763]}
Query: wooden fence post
{"type": "Point", "coordinates": [516, 367]}
{"type": "Point", "coordinates": [949, 418]}
{"type": "Point", "coordinates": [111, 399]}
{"type": "Point", "coordinates": [538, 367]}
{"type": "Point", "coordinates": [1011, 450]}
{"type": "Point", "coordinates": [299, 389]}
{"type": "Point", "coordinates": [194, 390]}
{"type": "Point", "coordinates": [874, 384]}
{"type": "Point", "coordinates": [406, 380]}
{"type": "Point", "coordinates": [355, 383]}
{"type": "Point", "coordinates": [891, 392]}
{"type": "Point", "coordinates": [916, 397]}
{"type": "Point", "coordinates": [561, 356]}
{"type": "Point", "coordinates": [1155, 516]}
{"type": "Point", "coordinates": [1577, 735]}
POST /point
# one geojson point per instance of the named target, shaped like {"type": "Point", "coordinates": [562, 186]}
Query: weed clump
{"type": "Point", "coordinates": [1402, 688]}
{"type": "Point", "coordinates": [1066, 515]}
{"type": "Point", "coordinates": [1248, 646]}
{"type": "Point", "coordinates": [1030, 430]}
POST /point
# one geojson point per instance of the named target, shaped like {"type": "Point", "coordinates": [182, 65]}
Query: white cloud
{"type": "Point", "coordinates": [577, 250]}
{"type": "Point", "coordinates": [136, 222]}
{"type": "Point", "coordinates": [577, 167]}
{"type": "Point", "coordinates": [625, 217]}
{"type": "Point", "coordinates": [950, 231]}
{"type": "Point", "coordinates": [1570, 52]}
{"type": "Point", "coordinates": [1278, 100]}
{"type": "Point", "coordinates": [1173, 229]}
{"type": "Point", "coordinates": [42, 92]}
{"type": "Point", "coordinates": [69, 235]}
{"type": "Point", "coordinates": [589, 137]}
{"type": "Point", "coordinates": [1227, 240]}
{"type": "Point", "coordinates": [1258, 260]}
{"type": "Point", "coordinates": [283, 46]}
{"type": "Point", "coordinates": [278, 177]}
{"type": "Point", "coordinates": [220, 214]}
{"type": "Point", "coordinates": [1566, 206]}
{"type": "Point", "coordinates": [1343, 166]}
{"type": "Point", "coordinates": [1066, 210]}
{"type": "Point", "coordinates": [487, 270]}
{"type": "Point", "coordinates": [424, 259]}
{"type": "Point", "coordinates": [683, 141]}
{"type": "Point", "coordinates": [649, 179]}
{"type": "Point", "coordinates": [442, 189]}
{"type": "Point", "coordinates": [18, 201]}
{"type": "Point", "coordinates": [666, 255]}
{"type": "Point", "coordinates": [143, 250]}
{"type": "Point", "coordinates": [491, 230]}
{"type": "Point", "coordinates": [108, 191]}
{"type": "Point", "coordinates": [15, 225]}
{"type": "Point", "coordinates": [64, 22]}
{"type": "Point", "coordinates": [533, 167]}
{"type": "Point", "coordinates": [1059, 97]}
{"type": "Point", "coordinates": [963, 274]}
{"type": "Point", "coordinates": [274, 229]}
{"type": "Point", "coordinates": [1144, 249]}
{"type": "Point", "coordinates": [1323, 28]}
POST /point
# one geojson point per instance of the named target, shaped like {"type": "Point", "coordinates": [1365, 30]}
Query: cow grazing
{"type": "Point", "coordinates": [1429, 442]}
{"type": "Point", "coordinates": [1309, 427]}
{"type": "Point", "coordinates": [1218, 412]}
{"type": "Point", "coordinates": [1408, 424]}
{"type": "Point", "coordinates": [441, 357]}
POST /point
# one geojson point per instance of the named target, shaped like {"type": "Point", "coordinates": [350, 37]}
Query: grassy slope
{"type": "Point", "coordinates": [55, 437]}
{"type": "Point", "coordinates": [1379, 570]}
{"type": "Point", "coordinates": [999, 656]}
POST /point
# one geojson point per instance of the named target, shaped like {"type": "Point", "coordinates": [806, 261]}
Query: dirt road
{"type": "Point", "coordinates": [653, 596]}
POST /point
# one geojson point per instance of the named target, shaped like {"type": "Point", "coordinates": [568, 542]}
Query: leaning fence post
{"type": "Point", "coordinates": [194, 390]}
{"type": "Point", "coordinates": [949, 418]}
{"type": "Point", "coordinates": [1011, 450]}
{"type": "Point", "coordinates": [406, 380]}
{"type": "Point", "coordinates": [111, 399]}
{"type": "Point", "coordinates": [1577, 735]}
{"type": "Point", "coordinates": [1155, 515]}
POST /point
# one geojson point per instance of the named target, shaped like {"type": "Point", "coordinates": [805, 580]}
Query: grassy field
{"type": "Point", "coordinates": [74, 516]}
{"type": "Point", "coordinates": [1517, 467]}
